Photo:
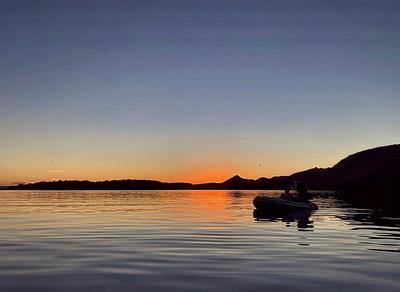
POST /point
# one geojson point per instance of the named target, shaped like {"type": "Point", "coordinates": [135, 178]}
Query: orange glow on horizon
{"type": "Point", "coordinates": [201, 170]}
{"type": "Point", "coordinates": [216, 174]}
{"type": "Point", "coordinates": [212, 175]}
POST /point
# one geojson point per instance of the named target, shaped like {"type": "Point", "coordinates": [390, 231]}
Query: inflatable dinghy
{"type": "Point", "coordinates": [277, 204]}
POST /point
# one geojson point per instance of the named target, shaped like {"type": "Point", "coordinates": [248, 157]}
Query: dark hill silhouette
{"type": "Point", "coordinates": [126, 184]}
{"type": "Point", "coordinates": [379, 165]}
{"type": "Point", "coordinates": [373, 174]}
{"type": "Point", "coordinates": [382, 163]}
{"type": "Point", "coordinates": [236, 182]}
{"type": "Point", "coordinates": [370, 177]}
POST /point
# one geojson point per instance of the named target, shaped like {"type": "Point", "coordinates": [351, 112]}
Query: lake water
{"type": "Point", "coordinates": [189, 241]}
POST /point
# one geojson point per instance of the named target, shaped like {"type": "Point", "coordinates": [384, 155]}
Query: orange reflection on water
{"type": "Point", "coordinates": [205, 210]}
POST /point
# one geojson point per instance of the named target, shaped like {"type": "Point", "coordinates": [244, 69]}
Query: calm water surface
{"type": "Point", "coordinates": [189, 240]}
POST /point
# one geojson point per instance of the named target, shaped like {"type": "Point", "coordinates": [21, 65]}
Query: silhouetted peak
{"type": "Point", "coordinates": [262, 180]}
{"type": "Point", "coordinates": [234, 180]}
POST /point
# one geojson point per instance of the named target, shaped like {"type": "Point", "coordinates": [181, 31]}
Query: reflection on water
{"type": "Point", "coordinates": [302, 218]}
{"type": "Point", "coordinates": [190, 240]}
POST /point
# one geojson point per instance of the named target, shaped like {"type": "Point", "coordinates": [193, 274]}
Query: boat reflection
{"type": "Point", "coordinates": [301, 217]}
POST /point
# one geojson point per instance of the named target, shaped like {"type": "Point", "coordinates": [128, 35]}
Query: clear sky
{"type": "Point", "coordinates": [193, 90]}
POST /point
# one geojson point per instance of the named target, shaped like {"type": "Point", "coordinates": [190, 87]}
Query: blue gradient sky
{"type": "Point", "coordinates": [193, 90]}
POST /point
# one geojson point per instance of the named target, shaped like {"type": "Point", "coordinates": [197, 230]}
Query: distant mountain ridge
{"type": "Point", "coordinates": [378, 167]}
{"type": "Point", "coordinates": [369, 178]}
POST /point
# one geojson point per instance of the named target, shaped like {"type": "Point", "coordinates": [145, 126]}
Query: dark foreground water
{"type": "Point", "coordinates": [189, 240]}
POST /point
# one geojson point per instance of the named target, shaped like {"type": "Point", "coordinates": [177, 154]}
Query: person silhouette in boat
{"type": "Point", "coordinates": [301, 194]}
{"type": "Point", "coordinates": [287, 194]}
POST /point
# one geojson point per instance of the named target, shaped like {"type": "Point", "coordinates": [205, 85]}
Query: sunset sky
{"type": "Point", "coordinates": [193, 90]}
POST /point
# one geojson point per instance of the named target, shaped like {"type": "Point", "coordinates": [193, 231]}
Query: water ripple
{"type": "Point", "coordinates": [189, 240]}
